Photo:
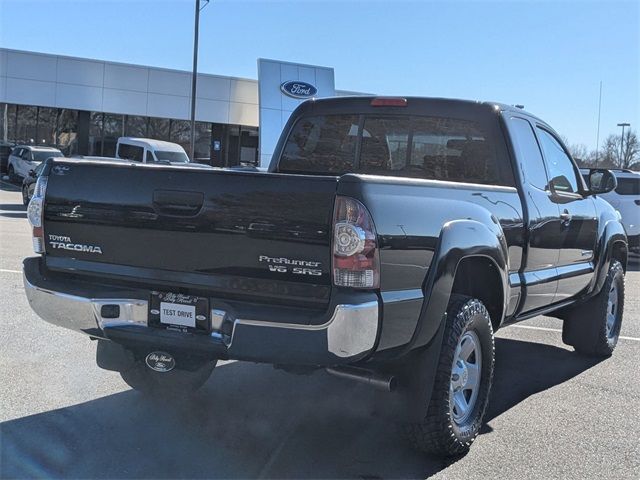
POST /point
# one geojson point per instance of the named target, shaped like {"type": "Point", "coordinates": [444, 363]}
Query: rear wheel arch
{"type": "Point", "coordinates": [479, 277]}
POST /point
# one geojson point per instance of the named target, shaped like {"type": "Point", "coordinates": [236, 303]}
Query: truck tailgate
{"type": "Point", "coordinates": [226, 232]}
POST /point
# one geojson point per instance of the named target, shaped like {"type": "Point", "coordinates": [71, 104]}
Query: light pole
{"type": "Point", "coordinates": [194, 79]}
{"type": "Point", "coordinates": [622, 142]}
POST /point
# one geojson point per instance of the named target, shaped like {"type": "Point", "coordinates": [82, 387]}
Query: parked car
{"type": "Point", "coordinates": [626, 200]}
{"type": "Point", "coordinates": [24, 158]}
{"type": "Point", "coordinates": [147, 150]}
{"type": "Point", "coordinates": [29, 183]}
{"type": "Point", "coordinates": [389, 240]}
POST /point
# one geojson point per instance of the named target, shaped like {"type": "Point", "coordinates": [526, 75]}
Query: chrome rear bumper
{"type": "Point", "coordinates": [348, 335]}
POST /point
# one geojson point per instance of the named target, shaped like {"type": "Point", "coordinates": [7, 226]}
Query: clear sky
{"type": "Point", "coordinates": [548, 55]}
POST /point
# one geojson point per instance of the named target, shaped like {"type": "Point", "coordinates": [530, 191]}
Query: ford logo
{"type": "Point", "coordinates": [298, 89]}
{"type": "Point", "coordinates": [160, 362]}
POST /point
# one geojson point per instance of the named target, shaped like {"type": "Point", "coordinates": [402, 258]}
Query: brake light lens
{"type": "Point", "coordinates": [35, 214]}
{"type": "Point", "coordinates": [356, 261]}
{"type": "Point", "coordinates": [389, 102]}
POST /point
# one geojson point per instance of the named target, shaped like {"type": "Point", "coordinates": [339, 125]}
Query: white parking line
{"type": "Point", "coordinates": [557, 330]}
{"type": "Point", "coordinates": [4, 270]}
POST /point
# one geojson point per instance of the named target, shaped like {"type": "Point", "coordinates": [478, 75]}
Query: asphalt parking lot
{"type": "Point", "coordinates": [553, 414]}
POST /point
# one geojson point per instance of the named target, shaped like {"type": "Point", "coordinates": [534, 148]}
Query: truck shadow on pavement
{"type": "Point", "coordinates": [251, 421]}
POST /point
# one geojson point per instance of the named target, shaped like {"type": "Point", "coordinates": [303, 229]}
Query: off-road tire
{"type": "Point", "coordinates": [176, 383]}
{"type": "Point", "coordinates": [585, 325]}
{"type": "Point", "coordinates": [439, 434]}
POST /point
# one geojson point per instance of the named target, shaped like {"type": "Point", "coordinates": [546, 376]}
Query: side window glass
{"type": "Point", "coordinates": [528, 152]}
{"type": "Point", "coordinates": [130, 152]}
{"type": "Point", "coordinates": [26, 154]}
{"type": "Point", "coordinates": [150, 158]}
{"type": "Point", "coordinates": [561, 171]}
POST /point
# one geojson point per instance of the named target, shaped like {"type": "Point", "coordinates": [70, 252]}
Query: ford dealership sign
{"type": "Point", "coordinates": [297, 89]}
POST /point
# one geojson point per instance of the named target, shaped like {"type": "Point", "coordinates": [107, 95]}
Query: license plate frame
{"type": "Point", "coordinates": [201, 323]}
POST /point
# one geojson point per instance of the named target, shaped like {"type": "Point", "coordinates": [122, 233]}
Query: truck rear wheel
{"type": "Point", "coordinates": [593, 327]}
{"type": "Point", "coordinates": [462, 383]}
{"type": "Point", "coordinates": [173, 383]}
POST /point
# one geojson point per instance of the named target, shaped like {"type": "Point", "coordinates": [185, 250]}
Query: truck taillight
{"type": "Point", "coordinates": [35, 214]}
{"type": "Point", "coordinates": [356, 260]}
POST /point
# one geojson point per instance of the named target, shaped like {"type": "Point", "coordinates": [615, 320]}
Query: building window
{"type": "Point", "coordinates": [181, 133]}
{"type": "Point", "coordinates": [95, 133]}
{"type": "Point", "coordinates": [135, 126]}
{"type": "Point", "coordinates": [26, 124]}
{"type": "Point", "coordinates": [249, 146]}
{"type": "Point", "coordinates": [67, 132]}
{"type": "Point", "coordinates": [47, 126]}
{"type": "Point", "coordinates": [113, 128]}
{"type": "Point", "coordinates": [158, 128]}
{"type": "Point", "coordinates": [202, 152]}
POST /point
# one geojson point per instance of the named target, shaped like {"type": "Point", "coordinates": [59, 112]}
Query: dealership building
{"type": "Point", "coordinates": [82, 106]}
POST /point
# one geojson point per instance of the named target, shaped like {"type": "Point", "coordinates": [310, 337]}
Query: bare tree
{"type": "Point", "coordinates": [609, 155]}
{"type": "Point", "coordinates": [609, 152]}
{"type": "Point", "coordinates": [579, 153]}
{"type": "Point", "coordinates": [630, 150]}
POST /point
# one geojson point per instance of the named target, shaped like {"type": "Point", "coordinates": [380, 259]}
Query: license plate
{"type": "Point", "coordinates": [178, 314]}
{"type": "Point", "coordinates": [175, 310]}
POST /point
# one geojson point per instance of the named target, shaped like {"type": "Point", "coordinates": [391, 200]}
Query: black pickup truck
{"type": "Point", "coordinates": [388, 241]}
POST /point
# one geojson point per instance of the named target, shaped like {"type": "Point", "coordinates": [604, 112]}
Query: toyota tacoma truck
{"type": "Point", "coordinates": [387, 242]}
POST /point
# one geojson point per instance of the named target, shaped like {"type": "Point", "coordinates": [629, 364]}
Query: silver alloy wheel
{"type": "Point", "coordinates": [465, 377]}
{"type": "Point", "coordinates": [612, 310]}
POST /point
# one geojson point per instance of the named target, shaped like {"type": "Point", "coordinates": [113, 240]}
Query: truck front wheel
{"type": "Point", "coordinates": [593, 327]}
{"type": "Point", "coordinates": [462, 382]}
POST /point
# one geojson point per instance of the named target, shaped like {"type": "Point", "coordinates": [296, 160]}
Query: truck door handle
{"type": "Point", "coordinates": [177, 203]}
{"type": "Point", "coordinates": [565, 218]}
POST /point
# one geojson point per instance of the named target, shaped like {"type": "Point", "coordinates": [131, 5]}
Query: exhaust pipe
{"type": "Point", "coordinates": [381, 381]}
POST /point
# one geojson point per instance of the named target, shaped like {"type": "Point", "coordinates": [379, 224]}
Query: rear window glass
{"type": "Point", "coordinates": [398, 145]}
{"type": "Point", "coordinates": [628, 186]}
{"type": "Point", "coordinates": [323, 144]}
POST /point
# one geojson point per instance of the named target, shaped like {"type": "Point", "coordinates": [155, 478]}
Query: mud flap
{"type": "Point", "coordinates": [416, 376]}
{"type": "Point", "coordinates": [113, 356]}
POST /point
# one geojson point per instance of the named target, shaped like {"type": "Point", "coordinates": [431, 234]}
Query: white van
{"type": "Point", "coordinates": [147, 150]}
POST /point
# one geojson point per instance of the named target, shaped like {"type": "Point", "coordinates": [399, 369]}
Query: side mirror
{"type": "Point", "coordinates": [601, 181]}
{"type": "Point", "coordinates": [32, 173]}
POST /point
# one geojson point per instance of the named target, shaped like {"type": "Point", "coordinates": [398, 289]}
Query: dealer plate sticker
{"type": "Point", "coordinates": [177, 314]}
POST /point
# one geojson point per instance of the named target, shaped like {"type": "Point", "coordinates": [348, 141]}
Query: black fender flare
{"type": "Point", "coordinates": [611, 233]}
{"type": "Point", "coordinates": [459, 239]}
